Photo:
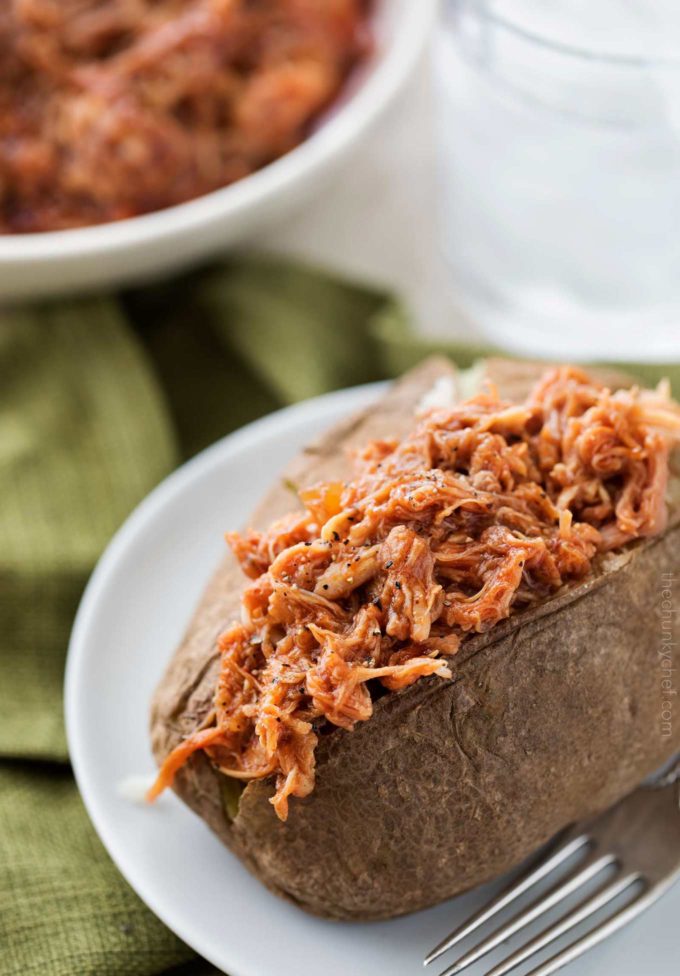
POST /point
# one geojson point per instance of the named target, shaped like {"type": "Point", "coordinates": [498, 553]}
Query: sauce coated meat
{"type": "Point", "coordinates": [484, 509]}
{"type": "Point", "coordinates": [112, 108]}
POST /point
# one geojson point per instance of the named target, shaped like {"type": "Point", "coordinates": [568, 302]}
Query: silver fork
{"type": "Point", "coordinates": [639, 837]}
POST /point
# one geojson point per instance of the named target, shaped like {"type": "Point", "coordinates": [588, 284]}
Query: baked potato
{"type": "Point", "coordinates": [549, 716]}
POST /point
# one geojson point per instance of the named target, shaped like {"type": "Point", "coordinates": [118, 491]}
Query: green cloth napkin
{"type": "Point", "coordinates": [99, 400]}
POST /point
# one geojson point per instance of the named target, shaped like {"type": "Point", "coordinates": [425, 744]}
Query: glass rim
{"type": "Point", "coordinates": [483, 12]}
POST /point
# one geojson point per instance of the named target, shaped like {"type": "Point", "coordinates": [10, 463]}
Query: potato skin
{"type": "Point", "coordinates": [450, 785]}
{"type": "Point", "coordinates": [550, 718]}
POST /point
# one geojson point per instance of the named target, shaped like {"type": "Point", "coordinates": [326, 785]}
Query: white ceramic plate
{"type": "Point", "coordinates": [131, 618]}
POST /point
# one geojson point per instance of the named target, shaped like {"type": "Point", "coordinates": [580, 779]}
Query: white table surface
{"type": "Point", "coordinates": [377, 221]}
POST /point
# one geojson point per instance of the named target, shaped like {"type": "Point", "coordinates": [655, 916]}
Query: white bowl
{"type": "Point", "coordinates": [141, 247]}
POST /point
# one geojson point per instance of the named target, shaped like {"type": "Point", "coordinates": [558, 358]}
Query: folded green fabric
{"type": "Point", "coordinates": [99, 400]}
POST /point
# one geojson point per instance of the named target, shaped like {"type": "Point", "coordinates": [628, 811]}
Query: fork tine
{"type": "Point", "coordinates": [506, 897]}
{"type": "Point", "coordinates": [582, 911]}
{"type": "Point", "coordinates": [592, 866]}
{"type": "Point", "coordinates": [599, 933]}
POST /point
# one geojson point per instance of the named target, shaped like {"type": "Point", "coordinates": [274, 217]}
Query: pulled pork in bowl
{"type": "Point", "coordinates": [114, 108]}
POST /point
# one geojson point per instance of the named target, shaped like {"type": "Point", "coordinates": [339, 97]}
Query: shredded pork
{"type": "Point", "coordinates": [112, 108]}
{"type": "Point", "coordinates": [482, 510]}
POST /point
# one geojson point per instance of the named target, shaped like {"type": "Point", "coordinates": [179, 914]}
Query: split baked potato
{"type": "Point", "coordinates": [549, 717]}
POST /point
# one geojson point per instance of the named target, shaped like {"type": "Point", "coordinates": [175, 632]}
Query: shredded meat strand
{"type": "Point", "coordinates": [481, 511]}
{"type": "Point", "coordinates": [112, 108]}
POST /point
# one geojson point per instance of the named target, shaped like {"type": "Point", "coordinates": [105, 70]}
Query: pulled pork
{"type": "Point", "coordinates": [484, 509]}
{"type": "Point", "coordinates": [112, 108]}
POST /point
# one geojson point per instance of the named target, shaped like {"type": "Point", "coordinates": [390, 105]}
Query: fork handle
{"type": "Point", "coordinates": [672, 774]}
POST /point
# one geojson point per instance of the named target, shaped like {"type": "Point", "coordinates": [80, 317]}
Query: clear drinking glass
{"type": "Point", "coordinates": [560, 172]}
